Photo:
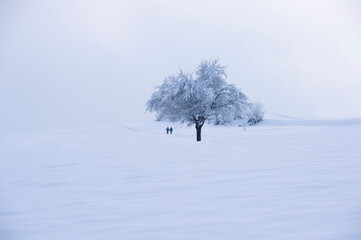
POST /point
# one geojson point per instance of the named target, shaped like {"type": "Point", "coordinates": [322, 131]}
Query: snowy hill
{"type": "Point", "coordinates": [283, 179]}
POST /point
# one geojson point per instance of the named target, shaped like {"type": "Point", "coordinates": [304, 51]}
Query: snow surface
{"type": "Point", "coordinates": [283, 179]}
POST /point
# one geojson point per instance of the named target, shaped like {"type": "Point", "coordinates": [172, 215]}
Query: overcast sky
{"type": "Point", "coordinates": [69, 64]}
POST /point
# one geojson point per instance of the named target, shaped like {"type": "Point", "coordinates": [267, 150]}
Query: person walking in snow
{"type": "Point", "coordinates": [171, 130]}
{"type": "Point", "coordinates": [167, 129]}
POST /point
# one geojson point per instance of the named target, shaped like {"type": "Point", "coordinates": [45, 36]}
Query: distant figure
{"type": "Point", "coordinates": [171, 130]}
{"type": "Point", "coordinates": [168, 129]}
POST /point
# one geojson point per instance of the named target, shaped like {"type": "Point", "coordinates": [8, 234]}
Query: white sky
{"type": "Point", "coordinates": [67, 64]}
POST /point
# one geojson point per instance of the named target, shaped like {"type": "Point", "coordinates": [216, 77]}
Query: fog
{"type": "Point", "coordinates": [71, 64]}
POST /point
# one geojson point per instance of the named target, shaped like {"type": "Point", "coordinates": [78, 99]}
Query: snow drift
{"type": "Point", "coordinates": [283, 179]}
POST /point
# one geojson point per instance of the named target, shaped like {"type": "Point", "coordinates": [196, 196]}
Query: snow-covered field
{"type": "Point", "coordinates": [284, 179]}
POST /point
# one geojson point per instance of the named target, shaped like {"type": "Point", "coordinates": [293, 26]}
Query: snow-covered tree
{"type": "Point", "coordinates": [199, 97]}
{"type": "Point", "coordinates": [255, 113]}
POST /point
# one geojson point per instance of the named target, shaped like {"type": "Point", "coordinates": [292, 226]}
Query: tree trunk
{"type": "Point", "coordinates": [199, 121]}
{"type": "Point", "coordinates": [199, 128]}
